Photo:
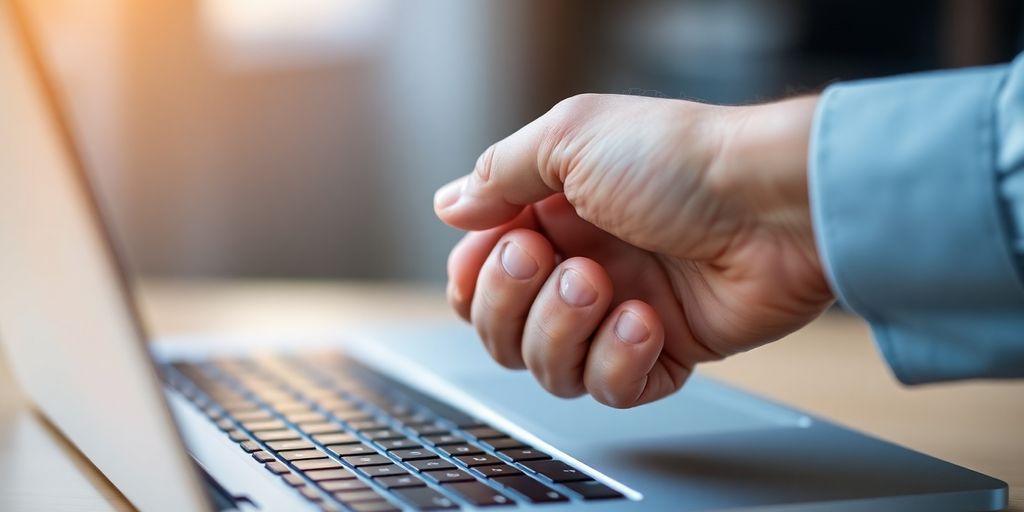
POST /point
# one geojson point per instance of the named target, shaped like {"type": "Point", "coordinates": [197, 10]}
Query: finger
{"type": "Point", "coordinates": [624, 367]}
{"type": "Point", "coordinates": [561, 321]}
{"type": "Point", "coordinates": [468, 256]}
{"type": "Point", "coordinates": [508, 283]}
{"type": "Point", "coordinates": [519, 170]}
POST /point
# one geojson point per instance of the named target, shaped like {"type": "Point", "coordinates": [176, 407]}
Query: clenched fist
{"type": "Point", "coordinates": [616, 241]}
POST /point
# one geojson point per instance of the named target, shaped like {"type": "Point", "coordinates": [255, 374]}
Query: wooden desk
{"type": "Point", "coordinates": [830, 369]}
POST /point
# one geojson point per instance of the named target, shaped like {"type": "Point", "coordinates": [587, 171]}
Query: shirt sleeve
{"type": "Point", "coordinates": [917, 198]}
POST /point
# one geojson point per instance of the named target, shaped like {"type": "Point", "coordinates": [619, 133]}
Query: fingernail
{"type": "Point", "coordinates": [448, 195]}
{"type": "Point", "coordinates": [516, 262]}
{"type": "Point", "coordinates": [630, 328]}
{"type": "Point", "coordinates": [575, 289]}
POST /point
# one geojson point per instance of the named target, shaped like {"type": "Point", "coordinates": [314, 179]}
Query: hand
{"type": "Point", "coordinates": [618, 241]}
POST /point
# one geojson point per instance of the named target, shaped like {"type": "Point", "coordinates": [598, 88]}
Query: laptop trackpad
{"type": "Point", "coordinates": [702, 407]}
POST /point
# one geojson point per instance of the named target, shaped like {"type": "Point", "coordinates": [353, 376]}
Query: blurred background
{"type": "Point", "coordinates": [305, 138]}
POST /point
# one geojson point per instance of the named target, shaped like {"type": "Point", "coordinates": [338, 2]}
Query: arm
{"type": "Point", "coordinates": [917, 192]}
{"type": "Point", "coordinates": [616, 242]}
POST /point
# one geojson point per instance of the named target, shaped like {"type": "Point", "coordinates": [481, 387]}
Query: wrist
{"type": "Point", "coordinates": [763, 164]}
{"type": "Point", "coordinates": [768, 148]}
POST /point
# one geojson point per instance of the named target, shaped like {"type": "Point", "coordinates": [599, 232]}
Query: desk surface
{"type": "Point", "coordinates": [830, 369]}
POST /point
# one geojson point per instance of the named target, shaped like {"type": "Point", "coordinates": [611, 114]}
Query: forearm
{"type": "Point", "coordinates": [910, 219]}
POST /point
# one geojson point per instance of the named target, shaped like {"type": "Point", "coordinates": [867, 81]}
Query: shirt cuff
{"type": "Point", "coordinates": [910, 225]}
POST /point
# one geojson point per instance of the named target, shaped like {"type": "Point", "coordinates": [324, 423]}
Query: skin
{"type": "Point", "coordinates": [617, 241]}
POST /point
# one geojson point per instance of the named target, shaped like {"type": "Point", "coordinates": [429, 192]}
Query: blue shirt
{"type": "Point", "coordinates": [917, 198]}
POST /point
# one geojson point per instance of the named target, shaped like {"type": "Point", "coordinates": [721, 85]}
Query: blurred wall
{"type": "Point", "coordinates": [305, 138]}
{"type": "Point", "coordinates": [322, 168]}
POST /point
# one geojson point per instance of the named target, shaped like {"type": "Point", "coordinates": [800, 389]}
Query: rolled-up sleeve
{"type": "Point", "coordinates": [917, 197]}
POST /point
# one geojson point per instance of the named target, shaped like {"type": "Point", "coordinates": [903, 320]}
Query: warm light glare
{"type": "Point", "coordinates": [283, 32]}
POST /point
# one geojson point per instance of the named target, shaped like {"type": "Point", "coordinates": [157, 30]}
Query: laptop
{"type": "Point", "coordinates": [397, 418]}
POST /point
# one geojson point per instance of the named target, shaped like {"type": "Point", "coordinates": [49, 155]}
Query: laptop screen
{"type": "Point", "coordinates": [68, 325]}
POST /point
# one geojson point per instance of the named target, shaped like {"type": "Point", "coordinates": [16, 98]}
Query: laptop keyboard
{"type": "Point", "coordinates": [348, 438]}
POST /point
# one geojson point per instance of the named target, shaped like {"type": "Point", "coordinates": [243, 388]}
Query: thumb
{"type": "Point", "coordinates": [514, 172]}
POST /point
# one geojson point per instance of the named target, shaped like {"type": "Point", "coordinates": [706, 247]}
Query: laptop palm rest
{"type": "Point", "coordinates": [702, 407]}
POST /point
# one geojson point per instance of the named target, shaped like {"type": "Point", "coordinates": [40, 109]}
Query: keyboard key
{"type": "Point", "coordinates": [276, 435]}
{"type": "Point", "coordinates": [425, 498]}
{"type": "Point", "coordinates": [277, 468]}
{"type": "Point", "coordinates": [460, 449]}
{"type": "Point", "coordinates": [293, 480]}
{"type": "Point", "coordinates": [276, 397]}
{"type": "Point", "coordinates": [482, 459]}
{"type": "Point", "coordinates": [303, 454]}
{"type": "Point", "coordinates": [431, 464]}
{"type": "Point", "coordinates": [445, 439]}
{"type": "Point", "coordinates": [556, 470]}
{"type": "Point", "coordinates": [503, 443]}
{"type": "Point", "coordinates": [398, 409]}
{"type": "Point", "coordinates": [382, 434]}
{"type": "Point", "coordinates": [466, 421]}
{"type": "Point", "coordinates": [524, 454]}
{"type": "Point", "coordinates": [407, 455]}
{"type": "Point", "coordinates": [332, 401]}
{"type": "Point", "coordinates": [291, 407]}
{"type": "Point", "coordinates": [399, 481]}
{"type": "Point", "coordinates": [263, 456]}
{"type": "Point", "coordinates": [373, 506]}
{"type": "Point", "coordinates": [449, 475]}
{"type": "Point", "coordinates": [484, 433]}
{"type": "Point", "coordinates": [304, 417]}
{"type": "Point", "coordinates": [320, 428]}
{"type": "Point", "coordinates": [351, 414]}
{"type": "Point", "coordinates": [336, 439]}
{"type": "Point", "coordinates": [479, 494]}
{"type": "Point", "coordinates": [256, 426]}
{"type": "Point", "coordinates": [351, 449]}
{"type": "Point", "coordinates": [368, 425]}
{"type": "Point", "coordinates": [238, 436]}
{"type": "Point", "coordinates": [238, 405]}
{"type": "Point", "coordinates": [399, 444]}
{"type": "Point", "coordinates": [412, 419]}
{"type": "Point", "coordinates": [593, 490]}
{"type": "Point", "coordinates": [367, 460]}
{"type": "Point", "coordinates": [283, 446]}
{"type": "Point", "coordinates": [357, 496]}
{"type": "Point", "coordinates": [307, 465]}
{"type": "Point", "coordinates": [212, 413]}
{"type": "Point", "coordinates": [311, 494]}
{"type": "Point", "coordinates": [343, 485]}
{"type": "Point", "coordinates": [250, 446]}
{"type": "Point", "coordinates": [531, 489]}
{"type": "Point", "coordinates": [324, 475]}
{"type": "Point", "coordinates": [253, 415]}
{"type": "Point", "coordinates": [387, 470]}
{"type": "Point", "coordinates": [429, 430]}
{"type": "Point", "coordinates": [225, 424]}
{"type": "Point", "coordinates": [498, 470]}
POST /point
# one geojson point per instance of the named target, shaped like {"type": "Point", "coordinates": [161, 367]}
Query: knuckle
{"type": "Point", "coordinates": [485, 164]}
{"type": "Point", "coordinates": [487, 300]}
{"type": "Point", "coordinates": [556, 152]}
{"type": "Point", "coordinates": [577, 104]}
